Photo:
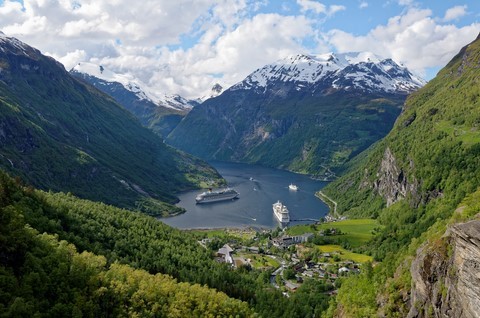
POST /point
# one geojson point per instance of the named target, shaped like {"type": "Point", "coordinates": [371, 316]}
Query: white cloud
{"type": "Point", "coordinates": [70, 59]}
{"type": "Point", "coordinates": [151, 23]}
{"type": "Point", "coordinates": [319, 8]}
{"type": "Point", "coordinates": [218, 56]}
{"type": "Point", "coordinates": [455, 13]}
{"type": "Point", "coordinates": [335, 8]}
{"type": "Point", "coordinates": [186, 46]}
{"type": "Point", "coordinates": [406, 3]}
{"type": "Point", "coordinates": [254, 43]}
{"type": "Point", "coordinates": [413, 38]}
{"type": "Point", "coordinates": [310, 5]}
{"type": "Point", "coordinates": [363, 5]}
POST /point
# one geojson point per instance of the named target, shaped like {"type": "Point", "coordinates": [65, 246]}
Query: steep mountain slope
{"type": "Point", "coordinates": [159, 112]}
{"type": "Point", "coordinates": [432, 150]}
{"type": "Point", "coordinates": [419, 181]}
{"type": "Point", "coordinates": [58, 133]}
{"type": "Point", "coordinates": [303, 113]}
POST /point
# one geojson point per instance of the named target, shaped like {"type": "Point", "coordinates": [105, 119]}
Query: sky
{"type": "Point", "coordinates": [185, 47]}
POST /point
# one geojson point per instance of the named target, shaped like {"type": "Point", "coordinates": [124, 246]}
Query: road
{"type": "Point", "coordinates": [331, 200]}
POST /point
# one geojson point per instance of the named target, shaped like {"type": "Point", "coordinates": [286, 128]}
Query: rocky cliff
{"type": "Point", "coordinates": [446, 275]}
{"type": "Point", "coordinates": [392, 183]}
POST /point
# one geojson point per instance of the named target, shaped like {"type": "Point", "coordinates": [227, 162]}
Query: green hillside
{"type": "Point", "coordinates": [413, 180]}
{"type": "Point", "coordinates": [42, 276]}
{"type": "Point", "coordinates": [306, 133]}
{"type": "Point", "coordinates": [60, 134]}
{"type": "Point", "coordinates": [117, 237]}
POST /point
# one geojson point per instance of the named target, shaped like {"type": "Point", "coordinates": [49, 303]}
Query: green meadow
{"type": "Point", "coordinates": [356, 231]}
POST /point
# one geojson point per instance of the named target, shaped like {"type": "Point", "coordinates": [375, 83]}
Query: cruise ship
{"type": "Point", "coordinates": [281, 212]}
{"type": "Point", "coordinates": [215, 196]}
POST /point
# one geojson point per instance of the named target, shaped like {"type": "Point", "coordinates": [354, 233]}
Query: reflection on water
{"type": "Point", "coordinates": [259, 188]}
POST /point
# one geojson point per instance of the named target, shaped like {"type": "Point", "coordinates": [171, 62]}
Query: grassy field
{"type": "Point", "coordinates": [241, 233]}
{"type": "Point", "coordinates": [261, 261]}
{"type": "Point", "coordinates": [356, 231]}
{"type": "Point", "coordinates": [469, 135]}
{"type": "Point", "coordinates": [344, 254]}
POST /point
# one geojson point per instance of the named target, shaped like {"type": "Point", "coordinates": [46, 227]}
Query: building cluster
{"type": "Point", "coordinates": [286, 241]}
{"type": "Point", "coordinates": [329, 269]}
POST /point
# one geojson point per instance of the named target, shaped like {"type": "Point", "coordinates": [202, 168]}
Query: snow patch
{"type": "Point", "coordinates": [365, 70]}
{"type": "Point", "coordinates": [18, 45]}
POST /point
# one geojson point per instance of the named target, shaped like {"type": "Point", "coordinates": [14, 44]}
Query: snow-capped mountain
{"type": "Point", "coordinates": [133, 85]}
{"type": "Point", "coordinates": [363, 71]}
{"type": "Point", "coordinates": [13, 43]}
{"type": "Point", "coordinates": [309, 114]}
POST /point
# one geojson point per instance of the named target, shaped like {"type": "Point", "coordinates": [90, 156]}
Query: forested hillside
{"type": "Point", "coordinates": [43, 276]}
{"type": "Point", "coordinates": [413, 181]}
{"type": "Point", "coordinates": [61, 134]}
{"type": "Point", "coordinates": [123, 237]}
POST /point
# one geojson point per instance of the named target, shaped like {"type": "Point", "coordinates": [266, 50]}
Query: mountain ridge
{"type": "Point", "coordinates": [159, 112]}
{"type": "Point", "coordinates": [338, 71]}
{"type": "Point", "coordinates": [134, 85]}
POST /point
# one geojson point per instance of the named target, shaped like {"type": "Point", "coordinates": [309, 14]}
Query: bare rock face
{"type": "Point", "coordinates": [446, 275]}
{"type": "Point", "coordinates": [392, 183]}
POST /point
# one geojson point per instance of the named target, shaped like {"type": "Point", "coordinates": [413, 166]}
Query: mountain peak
{"type": "Point", "coordinates": [16, 47]}
{"type": "Point", "coordinates": [217, 88]}
{"type": "Point", "coordinates": [363, 71]}
{"type": "Point", "coordinates": [215, 91]}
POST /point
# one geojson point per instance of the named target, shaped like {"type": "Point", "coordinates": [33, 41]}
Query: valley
{"type": "Point", "coordinates": [99, 174]}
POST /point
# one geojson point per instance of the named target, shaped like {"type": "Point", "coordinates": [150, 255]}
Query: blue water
{"type": "Point", "coordinates": [254, 206]}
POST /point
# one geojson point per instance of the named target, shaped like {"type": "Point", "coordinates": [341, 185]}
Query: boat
{"type": "Point", "coordinates": [292, 187]}
{"type": "Point", "coordinates": [215, 196]}
{"type": "Point", "coordinates": [281, 212]}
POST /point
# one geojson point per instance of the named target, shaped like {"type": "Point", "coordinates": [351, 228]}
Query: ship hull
{"type": "Point", "coordinates": [282, 220]}
{"type": "Point", "coordinates": [216, 196]}
{"type": "Point", "coordinates": [218, 199]}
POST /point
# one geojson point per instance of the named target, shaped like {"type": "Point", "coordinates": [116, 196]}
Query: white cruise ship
{"type": "Point", "coordinates": [215, 196]}
{"type": "Point", "coordinates": [281, 212]}
{"type": "Point", "coordinates": [292, 187]}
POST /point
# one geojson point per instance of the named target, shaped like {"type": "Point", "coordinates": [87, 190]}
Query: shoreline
{"type": "Point", "coordinates": [226, 228]}
{"type": "Point", "coordinates": [322, 196]}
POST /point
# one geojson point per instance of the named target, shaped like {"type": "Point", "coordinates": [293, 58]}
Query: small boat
{"type": "Point", "coordinates": [292, 187]}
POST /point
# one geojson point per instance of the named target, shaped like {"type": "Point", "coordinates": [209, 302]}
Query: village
{"type": "Point", "coordinates": [297, 254]}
